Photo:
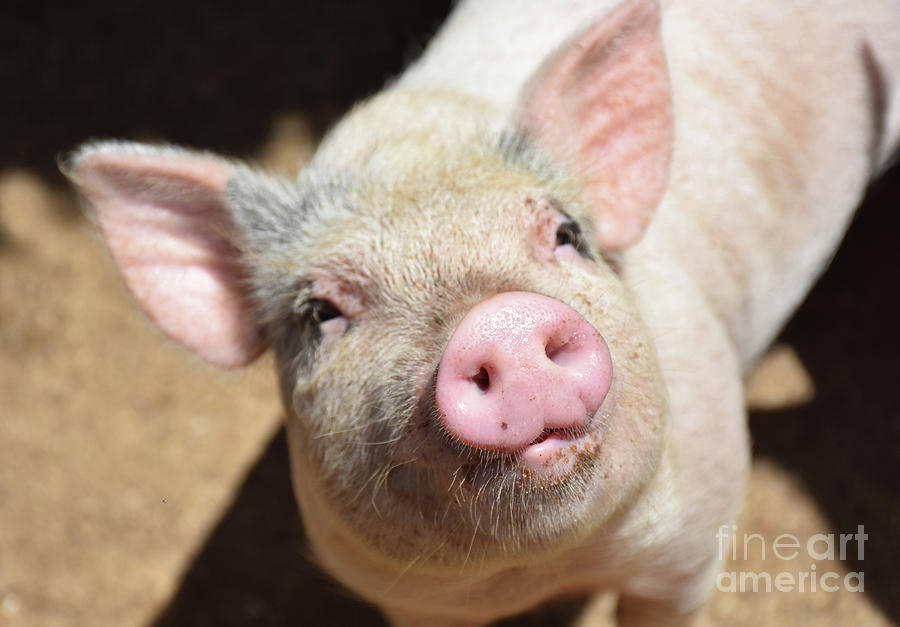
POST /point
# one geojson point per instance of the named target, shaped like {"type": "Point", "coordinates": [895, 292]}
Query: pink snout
{"type": "Point", "coordinates": [520, 364]}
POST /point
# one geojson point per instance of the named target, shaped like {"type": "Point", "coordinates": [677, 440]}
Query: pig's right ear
{"type": "Point", "coordinates": [163, 215]}
{"type": "Point", "coordinates": [602, 105]}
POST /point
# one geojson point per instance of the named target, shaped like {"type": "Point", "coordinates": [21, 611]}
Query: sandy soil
{"type": "Point", "coordinates": [139, 486]}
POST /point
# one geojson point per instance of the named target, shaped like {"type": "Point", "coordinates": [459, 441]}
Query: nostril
{"type": "Point", "coordinates": [481, 379]}
{"type": "Point", "coordinates": [563, 351]}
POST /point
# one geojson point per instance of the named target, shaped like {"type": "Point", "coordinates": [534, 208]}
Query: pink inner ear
{"type": "Point", "coordinates": [603, 105]}
{"type": "Point", "coordinates": [165, 222]}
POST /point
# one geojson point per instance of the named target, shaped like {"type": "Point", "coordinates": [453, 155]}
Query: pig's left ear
{"type": "Point", "coordinates": [602, 105]}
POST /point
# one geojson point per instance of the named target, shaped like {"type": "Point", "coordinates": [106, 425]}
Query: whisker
{"type": "Point", "coordinates": [338, 432]}
{"type": "Point", "coordinates": [382, 442]}
{"type": "Point", "coordinates": [471, 544]}
{"type": "Point", "coordinates": [383, 476]}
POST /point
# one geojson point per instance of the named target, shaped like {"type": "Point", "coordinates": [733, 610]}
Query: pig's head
{"type": "Point", "coordinates": [465, 376]}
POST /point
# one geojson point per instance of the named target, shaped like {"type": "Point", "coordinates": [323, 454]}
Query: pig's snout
{"type": "Point", "coordinates": [520, 369]}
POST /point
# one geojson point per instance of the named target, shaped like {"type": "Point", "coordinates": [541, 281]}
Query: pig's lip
{"type": "Point", "coordinates": [554, 453]}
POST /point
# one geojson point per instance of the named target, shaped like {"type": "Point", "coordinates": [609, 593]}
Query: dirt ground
{"type": "Point", "coordinates": [139, 486]}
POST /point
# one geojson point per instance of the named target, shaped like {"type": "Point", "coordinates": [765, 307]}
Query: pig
{"type": "Point", "coordinates": [513, 295]}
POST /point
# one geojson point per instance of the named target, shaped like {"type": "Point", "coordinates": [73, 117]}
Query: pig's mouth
{"type": "Point", "coordinates": [566, 434]}
{"type": "Point", "coordinates": [557, 452]}
{"type": "Point", "coordinates": [554, 454]}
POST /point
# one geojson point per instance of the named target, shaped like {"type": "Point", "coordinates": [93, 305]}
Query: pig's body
{"type": "Point", "coordinates": [422, 204]}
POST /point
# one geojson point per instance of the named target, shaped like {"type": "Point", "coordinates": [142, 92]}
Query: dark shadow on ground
{"type": "Point", "coordinates": [253, 568]}
{"type": "Point", "coordinates": [845, 445]}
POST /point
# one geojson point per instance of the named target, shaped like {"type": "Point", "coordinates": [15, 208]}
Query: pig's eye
{"type": "Point", "coordinates": [321, 315]}
{"type": "Point", "coordinates": [569, 234]}
{"type": "Point", "coordinates": [320, 311]}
